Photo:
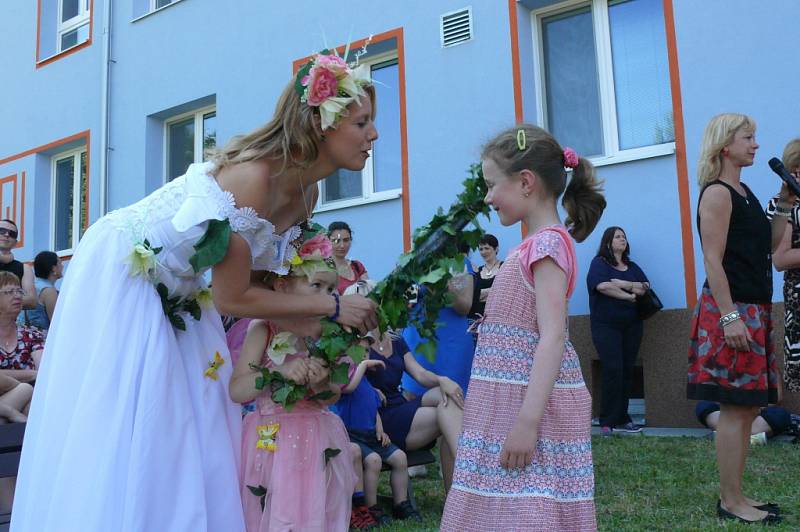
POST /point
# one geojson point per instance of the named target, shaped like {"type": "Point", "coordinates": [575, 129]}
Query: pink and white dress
{"type": "Point", "coordinates": [556, 490]}
{"type": "Point", "coordinates": [284, 464]}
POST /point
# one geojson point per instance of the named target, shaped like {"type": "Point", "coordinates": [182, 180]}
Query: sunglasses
{"type": "Point", "coordinates": [13, 292]}
{"type": "Point", "coordinates": [8, 232]}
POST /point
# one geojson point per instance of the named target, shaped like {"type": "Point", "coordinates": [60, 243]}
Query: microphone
{"type": "Point", "coordinates": [778, 168]}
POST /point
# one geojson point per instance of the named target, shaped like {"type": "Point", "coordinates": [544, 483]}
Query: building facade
{"type": "Point", "coordinates": [106, 100]}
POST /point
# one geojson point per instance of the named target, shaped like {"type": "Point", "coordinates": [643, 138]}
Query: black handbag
{"type": "Point", "coordinates": [648, 304]}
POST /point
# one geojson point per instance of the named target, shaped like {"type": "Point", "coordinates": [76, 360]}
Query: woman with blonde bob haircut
{"type": "Point", "coordinates": [136, 372]}
{"type": "Point", "coordinates": [786, 257]}
{"type": "Point", "coordinates": [731, 352]}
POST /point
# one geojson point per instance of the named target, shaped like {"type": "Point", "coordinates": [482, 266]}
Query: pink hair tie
{"type": "Point", "coordinates": [570, 158]}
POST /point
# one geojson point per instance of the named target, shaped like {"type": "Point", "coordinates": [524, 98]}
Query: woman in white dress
{"type": "Point", "coordinates": [131, 427]}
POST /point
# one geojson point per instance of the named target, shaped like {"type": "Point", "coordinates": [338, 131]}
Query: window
{"type": "Point", "coordinates": [381, 177]}
{"type": "Point", "coordinates": [604, 78]}
{"type": "Point", "coordinates": [187, 137]}
{"type": "Point", "coordinates": [70, 210]}
{"type": "Point", "coordinates": [73, 23]}
{"type": "Point", "coordinates": [158, 4]}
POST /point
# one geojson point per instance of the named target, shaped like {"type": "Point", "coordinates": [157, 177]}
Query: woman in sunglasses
{"type": "Point", "coordinates": [8, 239]}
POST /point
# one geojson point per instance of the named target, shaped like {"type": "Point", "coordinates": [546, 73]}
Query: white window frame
{"type": "Point", "coordinates": [198, 135]}
{"type": "Point", "coordinates": [605, 73]}
{"type": "Point", "coordinates": [368, 192]}
{"type": "Point", "coordinates": [76, 198]}
{"type": "Point", "coordinates": [151, 9]}
{"type": "Point", "coordinates": [81, 19]}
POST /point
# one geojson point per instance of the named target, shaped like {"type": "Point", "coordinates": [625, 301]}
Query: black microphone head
{"type": "Point", "coordinates": [776, 165]}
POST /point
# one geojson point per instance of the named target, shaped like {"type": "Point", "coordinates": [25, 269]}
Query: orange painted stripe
{"type": "Point", "coordinates": [60, 55]}
{"type": "Point", "coordinates": [86, 135]}
{"type": "Point", "coordinates": [21, 241]}
{"type": "Point", "coordinates": [44, 147]}
{"type": "Point", "coordinates": [515, 68]}
{"type": "Point", "coordinates": [397, 34]}
{"type": "Point", "coordinates": [690, 281]}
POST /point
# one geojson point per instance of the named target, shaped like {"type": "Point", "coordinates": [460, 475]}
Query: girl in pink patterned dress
{"type": "Point", "coordinates": [524, 458]}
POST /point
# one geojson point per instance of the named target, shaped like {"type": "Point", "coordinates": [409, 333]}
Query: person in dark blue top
{"type": "Point", "coordinates": [358, 408]}
{"type": "Point", "coordinates": [614, 281]}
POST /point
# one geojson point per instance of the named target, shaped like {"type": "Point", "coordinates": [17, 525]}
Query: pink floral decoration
{"type": "Point", "coordinates": [322, 85]}
{"type": "Point", "coordinates": [319, 247]}
{"type": "Point", "coordinates": [331, 62]}
{"type": "Point", "coordinates": [571, 159]}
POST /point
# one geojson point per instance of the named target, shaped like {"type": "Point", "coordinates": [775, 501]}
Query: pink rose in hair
{"type": "Point", "coordinates": [323, 85]}
{"type": "Point", "coordinates": [570, 158]}
{"type": "Point", "coordinates": [331, 62]}
{"type": "Point", "coordinates": [319, 247]}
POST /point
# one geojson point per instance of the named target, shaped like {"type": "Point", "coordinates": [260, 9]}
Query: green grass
{"type": "Point", "coordinates": [646, 483]}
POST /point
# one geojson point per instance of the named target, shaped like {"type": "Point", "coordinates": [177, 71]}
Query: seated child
{"type": "Point", "coordinates": [358, 408]}
{"type": "Point", "coordinates": [297, 471]}
{"type": "Point", "coordinates": [771, 421]}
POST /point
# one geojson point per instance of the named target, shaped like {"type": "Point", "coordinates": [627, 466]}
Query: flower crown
{"type": "Point", "coordinates": [313, 252]}
{"type": "Point", "coordinates": [328, 82]}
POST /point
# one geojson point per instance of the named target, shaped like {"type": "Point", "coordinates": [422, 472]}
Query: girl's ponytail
{"type": "Point", "coordinates": [583, 200]}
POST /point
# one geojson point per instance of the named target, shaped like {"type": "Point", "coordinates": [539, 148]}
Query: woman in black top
{"type": "Point", "coordinates": [614, 281]}
{"type": "Point", "coordinates": [731, 353]}
{"type": "Point", "coordinates": [488, 246]}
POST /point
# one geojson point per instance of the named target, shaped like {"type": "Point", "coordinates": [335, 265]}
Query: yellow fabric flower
{"type": "Point", "coordinates": [142, 260]}
{"type": "Point", "coordinates": [266, 436]}
{"type": "Point", "coordinates": [204, 298]}
{"type": "Point", "coordinates": [282, 344]}
{"type": "Point", "coordinates": [213, 365]}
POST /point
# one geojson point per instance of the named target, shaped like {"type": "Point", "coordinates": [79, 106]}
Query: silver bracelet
{"type": "Point", "coordinates": [729, 318]}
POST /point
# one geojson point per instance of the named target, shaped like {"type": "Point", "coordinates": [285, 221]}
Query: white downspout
{"type": "Point", "coordinates": [104, 106]}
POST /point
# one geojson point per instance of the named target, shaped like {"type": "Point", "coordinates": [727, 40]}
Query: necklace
{"type": "Point", "coordinates": [490, 272]}
{"type": "Point", "coordinates": [9, 345]}
{"type": "Point", "coordinates": [305, 202]}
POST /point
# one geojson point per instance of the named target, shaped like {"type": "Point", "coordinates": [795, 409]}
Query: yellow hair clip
{"type": "Point", "coordinates": [521, 140]}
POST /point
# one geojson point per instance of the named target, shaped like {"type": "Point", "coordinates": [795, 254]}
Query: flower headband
{"type": "Point", "coordinates": [313, 252]}
{"type": "Point", "coordinates": [328, 82]}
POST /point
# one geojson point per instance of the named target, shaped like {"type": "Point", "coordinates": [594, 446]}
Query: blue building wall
{"type": "Point", "coordinates": [732, 56]}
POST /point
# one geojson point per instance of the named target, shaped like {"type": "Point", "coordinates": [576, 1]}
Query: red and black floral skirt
{"type": "Point", "coordinates": [723, 374]}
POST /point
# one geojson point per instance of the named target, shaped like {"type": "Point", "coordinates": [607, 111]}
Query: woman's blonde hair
{"type": "Point", "coordinates": [8, 279]}
{"type": "Point", "coordinates": [791, 155]}
{"type": "Point", "coordinates": [583, 198]}
{"type": "Point", "coordinates": [292, 136]}
{"type": "Point", "coordinates": [718, 134]}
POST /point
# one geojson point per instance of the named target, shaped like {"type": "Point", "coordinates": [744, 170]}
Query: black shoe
{"type": "Point", "coordinates": [404, 510]}
{"type": "Point", "coordinates": [769, 520]}
{"type": "Point", "coordinates": [770, 507]}
{"type": "Point", "coordinates": [630, 426]}
{"type": "Point", "coordinates": [379, 515]}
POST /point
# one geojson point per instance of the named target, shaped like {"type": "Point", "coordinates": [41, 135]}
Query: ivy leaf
{"type": "Point", "coordinates": [340, 374]}
{"type": "Point", "coordinates": [177, 321]}
{"type": "Point", "coordinates": [260, 382]}
{"type": "Point", "coordinates": [356, 353]}
{"type": "Point", "coordinates": [213, 246]}
{"type": "Point", "coordinates": [433, 276]}
{"type": "Point", "coordinates": [259, 491]}
{"type": "Point", "coordinates": [404, 259]}
{"type": "Point", "coordinates": [428, 350]}
{"type": "Point", "coordinates": [322, 396]}
{"type": "Point", "coordinates": [330, 453]}
{"type": "Point", "coordinates": [280, 394]}
{"type": "Point", "coordinates": [449, 230]}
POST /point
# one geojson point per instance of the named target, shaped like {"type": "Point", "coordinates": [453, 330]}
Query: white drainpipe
{"type": "Point", "coordinates": [104, 106]}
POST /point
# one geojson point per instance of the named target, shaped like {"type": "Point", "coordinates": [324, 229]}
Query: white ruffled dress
{"type": "Point", "coordinates": [129, 430]}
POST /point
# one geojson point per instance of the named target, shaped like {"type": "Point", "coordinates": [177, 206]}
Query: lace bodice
{"type": "Point", "coordinates": [176, 216]}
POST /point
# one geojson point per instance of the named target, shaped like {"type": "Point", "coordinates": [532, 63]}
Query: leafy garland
{"type": "Point", "coordinates": [432, 261]}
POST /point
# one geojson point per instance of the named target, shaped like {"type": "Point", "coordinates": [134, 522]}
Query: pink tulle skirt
{"type": "Point", "coordinates": [301, 486]}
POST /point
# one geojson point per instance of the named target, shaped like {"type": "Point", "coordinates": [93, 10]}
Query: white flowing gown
{"type": "Point", "coordinates": [127, 431]}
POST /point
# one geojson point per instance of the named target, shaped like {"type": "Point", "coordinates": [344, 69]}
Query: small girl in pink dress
{"type": "Point", "coordinates": [297, 472]}
{"type": "Point", "coordinates": [524, 459]}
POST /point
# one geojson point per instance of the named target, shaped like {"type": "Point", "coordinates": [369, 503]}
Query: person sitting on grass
{"type": "Point", "coordinates": [358, 408]}
{"type": "Point", "coordinates": [770, 422]}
